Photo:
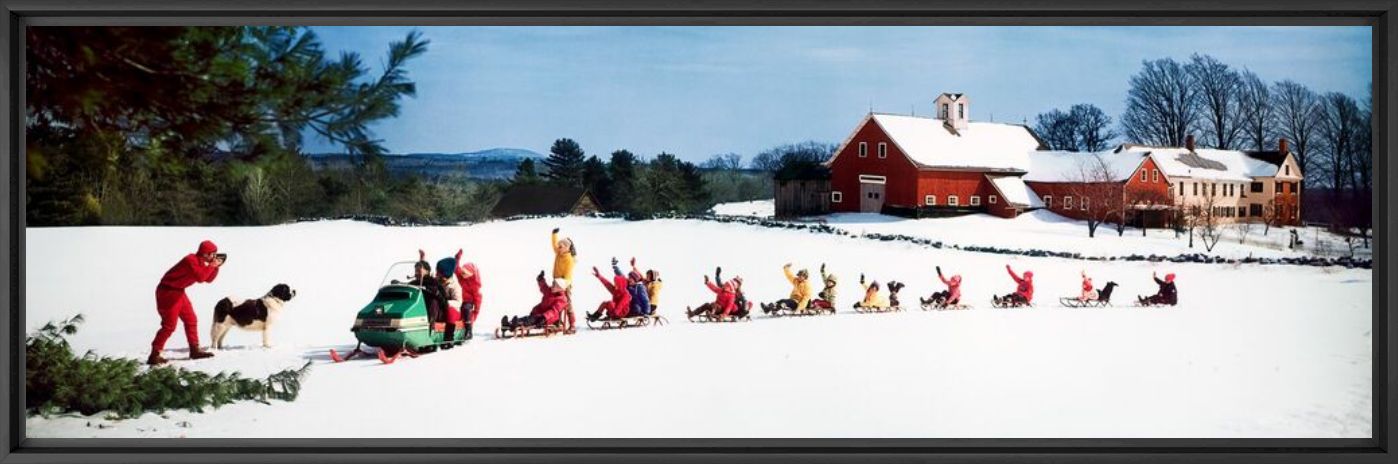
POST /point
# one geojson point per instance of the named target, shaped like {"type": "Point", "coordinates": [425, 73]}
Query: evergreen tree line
{"type": "Point", "coordinates": [627, 183]}
{"type": "Point", "coordinates": [205, 126]}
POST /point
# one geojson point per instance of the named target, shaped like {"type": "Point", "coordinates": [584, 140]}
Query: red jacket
{"type": "Point", "coordinates": [621, 299]}
{"type": "Point", "coordinates": [470, 286]}
{"type": "Point", "coordinates": [726, 302]}
{"type": "Point", "coordinates": [552, 306]}
{"type": "Point", "coordinates": [1026, 285]}
{"type": "Point", "coordinates": [189, 271]}
{"type": "Point", "coordinates": [953, 288]}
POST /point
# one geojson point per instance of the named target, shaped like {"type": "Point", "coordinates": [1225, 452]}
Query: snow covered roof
{"type": "Point", "coordinates": [1013, 190]}
{"type": "Point", "coordinates": [1206, 163]}
{"type": "Point", "coordinates": [929, 143]}
{"type": "Point", "coordinates": [1067, 166]}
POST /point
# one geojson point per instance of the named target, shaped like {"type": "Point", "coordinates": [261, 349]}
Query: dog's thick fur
{"type": "Point", "coordinates": [254, 315]}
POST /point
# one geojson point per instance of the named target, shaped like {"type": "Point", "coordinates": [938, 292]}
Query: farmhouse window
{"type": "Point", "coordinates": [1181, 188]}
{"type": "Point", "coordinates": [992, 199]}
{"type": "Point", "coordinates": [1242, 212]}
{"type": "Point", "coordinates": [1048, 201]}
{"type": "Point", "coordinates": [1068, 202]}
{"type": "Point", "coordinates": [863, 149]}
{"type": "Point", "coordinates": [1288, 170]}
{"type": "Point", "coordinates": [944, 111]}
{"type": "Point", "coordinates": [1084, 204]}
{"type": "Point", "coordinates": [883, 150]}
{"type": "Point", "coordinates": [1213, 191]}
{"type": "Point", "coordinates": [930, 200]}
{"type": "Point", "coordinates": [1155, 175]}
{"type": "Point", "coordinates": [1196, 189]}
{"type": "Point", "coordinates": [1143, 175]}
{"type": "Point", "coordinates": [1255, 210]}
{"type": "Point", "coordinates": [952, 200]}
{"type": "Point", "coordinates": [975, 200]}
{"type": "Point", "coordinates": [961, 112]}
{"type": "Point", "coordinates": [837, 197]}
{"type": "Point", "coordinates": [1256, 187]}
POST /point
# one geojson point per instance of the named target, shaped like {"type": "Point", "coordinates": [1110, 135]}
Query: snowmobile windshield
{"type": "Point", "coordinates": [399, 273]}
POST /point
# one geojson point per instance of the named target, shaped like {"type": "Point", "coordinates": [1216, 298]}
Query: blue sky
{"type": "Point", "coordinates": [700, 91]}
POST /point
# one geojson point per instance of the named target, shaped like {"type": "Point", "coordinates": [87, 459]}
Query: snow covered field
{"type": "Point", "coordinates": [757, 208]}
{"type": "Point", "coordinates": [1239, 357]}
{"type": "Point", "coordinates": [1044, 230]}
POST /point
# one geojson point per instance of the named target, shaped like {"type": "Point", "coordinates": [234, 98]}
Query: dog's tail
{"type": "Point", "coordinates": [221, 309]}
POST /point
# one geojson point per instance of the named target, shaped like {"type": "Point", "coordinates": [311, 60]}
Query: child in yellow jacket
{"type": "Point", "coordinates": [564, 255]}
{"type": "Point", "coordinates": [800, 297]}
{"type": "Point", "coordinates": [872, 298]}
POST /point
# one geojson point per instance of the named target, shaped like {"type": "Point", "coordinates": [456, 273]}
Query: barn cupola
{"type": "Point", "coordinates": [954, 109]}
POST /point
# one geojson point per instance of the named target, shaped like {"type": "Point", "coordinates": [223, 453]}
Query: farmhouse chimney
{"type": "Point", "coordinates": [1282, 145]}
{"type": "Point", "coordinates": [1189, 142]}
{"type": "Point", "coordinates": [954, 109]}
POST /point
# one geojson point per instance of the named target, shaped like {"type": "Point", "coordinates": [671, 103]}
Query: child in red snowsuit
{"type": "Point", "coordinates": [173, 305]}
{"type": "Point", "coordinates": [620, 304]}
{"type": "Point", "coordinates": [1024, 290]}
{"type": "Point", "coordinates": [470, 280]}
{"type": "Point", "coordinates": [949, 297]}
{"type": "Point", "coordinates": [549, 310]}
{"type": "Point", "coordinates": [725, 298]}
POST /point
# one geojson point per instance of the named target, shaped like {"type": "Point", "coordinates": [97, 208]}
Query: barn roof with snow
{"type": "Point", "coordinates": [931, 143]}
{"type": "Point", "coordinates": [1068, 166]}
{"type": "Point", "coordinates": [1202, 163]}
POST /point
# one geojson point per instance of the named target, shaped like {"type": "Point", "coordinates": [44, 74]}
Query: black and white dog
{"type": "Point", "coordinates": [257, 314]}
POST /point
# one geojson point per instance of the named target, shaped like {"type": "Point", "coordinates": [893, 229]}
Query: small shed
{"type": "Point", "coordinates": [530, 199]}
{"type": "Point", "coordinates": [801, 190]}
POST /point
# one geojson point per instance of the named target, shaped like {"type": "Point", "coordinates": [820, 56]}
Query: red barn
{"type": "Point", "coordinates": [950, 164]}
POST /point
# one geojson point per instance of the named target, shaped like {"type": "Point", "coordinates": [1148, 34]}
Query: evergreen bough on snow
{"type": "Point", "coordinates": [58, 381]}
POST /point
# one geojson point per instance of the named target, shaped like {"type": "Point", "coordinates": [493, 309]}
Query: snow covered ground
{"type": "Point", "coordinates": [1238, 357]}
{"type": "Point", "coordinates": [1044, 230]}
{"type": "Point", "coordinates": [757, 208]}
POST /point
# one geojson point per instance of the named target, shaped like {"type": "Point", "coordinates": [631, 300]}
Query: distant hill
{"type": "Point", "coordinates": [491, 164]}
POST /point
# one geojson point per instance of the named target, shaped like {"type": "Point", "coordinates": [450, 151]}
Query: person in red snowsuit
{"type": "Point", "coordinates": [549, 310]}
{"type": "Point", "coordinates": [470, 279]}
{"type": "Point", "coordinates": [1024, 290]}
{"type": "Point", "coordinates": [173, 305]}
{"type": "Point", "coordinates": [620, 304]}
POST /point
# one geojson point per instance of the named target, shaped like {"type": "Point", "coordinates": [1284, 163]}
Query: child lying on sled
{"type": "Point", "coordinates": [949, 297]}
{"type": "Point", "coordinates": [548, 312]}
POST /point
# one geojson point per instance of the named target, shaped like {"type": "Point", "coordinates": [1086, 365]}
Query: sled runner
{"type": "Point", "coordinates": [396, 323]}
{"type": "Point", "coordinates": [505, 333]}
{"type": "Point", "coordinates": [1074, 302]}
{"type": "Point", "coordinates": [809, 311]}
{"type": "Point", "coordinates": [1006, 303]}
{"type": "Point", "coordinates": [939, 307]}
{"type": "Point", "coordinates": [713, 318]}
{"type": "Point", "coordinates": [876, 309]}
{"type": "Point", "coordinates": [638, 321]}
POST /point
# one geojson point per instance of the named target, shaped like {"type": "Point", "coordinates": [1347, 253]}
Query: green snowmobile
{"type": "Point", "coordinates": [396, 321]}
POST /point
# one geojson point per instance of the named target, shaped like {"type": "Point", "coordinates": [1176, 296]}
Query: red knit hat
{"type": "Point", "coordinates": [1170, 277]}
{"type": "Point", "coordinates": [206, 247]}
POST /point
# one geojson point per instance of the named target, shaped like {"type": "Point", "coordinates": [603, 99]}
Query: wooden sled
{"type": "Point", "coordinates": [939, 307]}
{"type": "Point", "coordinates": [713, 318]}
{"type": "Point", "coordinates": [504, 333]}
{"type": "Point", "coordinates": [1009, 305]}
{"type": "Point", "coordinates": [628, 322]}
{"type": "Point", "coordinates": [876, 309]}
{"type": "Point", "coordinates": [1074, 302]}
{"type": "Point", "coordinates": [792, 312]}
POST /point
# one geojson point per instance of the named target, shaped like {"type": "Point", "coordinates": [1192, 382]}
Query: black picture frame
{"type": "Point", "coordinates": [15, 448]}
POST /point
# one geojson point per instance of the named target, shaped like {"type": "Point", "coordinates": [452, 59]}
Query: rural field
{"type": "Point", "coordinates": [1245, 354]}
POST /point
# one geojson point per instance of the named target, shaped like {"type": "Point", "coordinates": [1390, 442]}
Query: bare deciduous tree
{"type": "Point", "coordinates": [1207, 221]}
{"type": "Point", "coordinates": [1219, 89]}
{"type": "Point", "coordinates": [1255, 104]}
{"type": "Point", "coordinates": [1297, 110]}
{"type": "Point", "coordinates": [1098, 190]}
{"type": "Point", "coordinates": [1162, 104]}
